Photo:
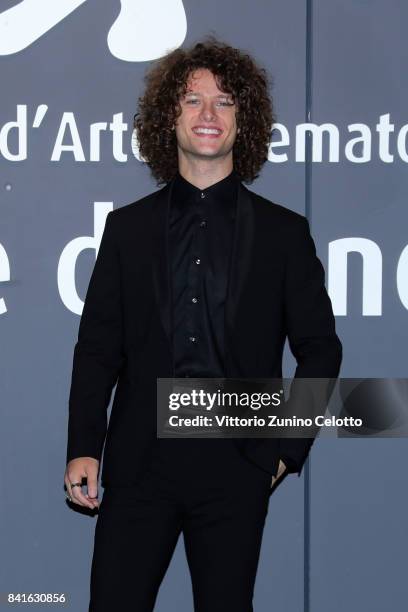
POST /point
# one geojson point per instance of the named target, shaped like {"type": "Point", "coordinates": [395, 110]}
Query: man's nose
{"type": "Point", "coordinates": [207, 111]}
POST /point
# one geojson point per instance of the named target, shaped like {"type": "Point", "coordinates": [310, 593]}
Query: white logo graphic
{"type": "Point", "coordinates": [4, 275]}
{"type": "Point", "coordinates": [70, 254]}
{"type": "Point", "coordinates": [144, 29]}
{"type": "Point", "coordinates": [372, 275]}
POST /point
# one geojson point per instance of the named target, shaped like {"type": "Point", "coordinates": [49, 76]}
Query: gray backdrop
{"type": "Point", "coordinates": [336, 538]}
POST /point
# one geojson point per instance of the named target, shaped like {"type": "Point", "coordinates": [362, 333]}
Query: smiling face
{"type": "Point", "coordinates": [206, 128]}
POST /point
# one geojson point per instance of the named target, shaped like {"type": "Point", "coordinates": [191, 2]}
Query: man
{"type": "Point", "coordinates": [202, 278]}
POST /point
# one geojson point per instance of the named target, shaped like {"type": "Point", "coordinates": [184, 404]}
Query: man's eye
{"type": "Point", "coordinates": [195, 101]}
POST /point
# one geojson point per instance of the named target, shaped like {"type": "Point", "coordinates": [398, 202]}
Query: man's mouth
{"type": "Point", "coordinates": [210, 132]}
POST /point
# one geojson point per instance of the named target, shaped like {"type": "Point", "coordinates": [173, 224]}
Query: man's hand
{"type": "Point", "coordinates": [281, 469]}
{"type": "Point", "coordinates": [83, 467]}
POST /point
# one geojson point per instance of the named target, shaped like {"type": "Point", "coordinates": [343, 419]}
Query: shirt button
{"type": "Point", "coordinates": [198, 261]}
{"type": "Point", "coordinates": [202, 195]}
{"type": "Point", "coordinates": [203, 223]}
{"type": "Point", "coordinates": [194, 300]}
{"type": "Point", "coordinates": [193, 339]}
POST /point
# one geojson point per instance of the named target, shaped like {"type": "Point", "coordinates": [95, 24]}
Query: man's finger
{"type": "Point", "coordinates": [70, 492]}
{"type": "Point", "coordinates": [76, 492]}
{"type": "Point", "coordinates": [79, 497]}
{"type": "Point", "coordinates": [92, 486]}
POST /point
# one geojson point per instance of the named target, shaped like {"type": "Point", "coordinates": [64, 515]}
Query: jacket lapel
{"type": "Point", "coordinates": [239, 264]}
{"type": "Point", "coordinates": [240, 258]}
{"type": "Point", "coordinates": [161, 257]}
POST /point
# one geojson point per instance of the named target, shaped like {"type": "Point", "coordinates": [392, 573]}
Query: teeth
{"type": "Point", "coordinates": [206, 131]}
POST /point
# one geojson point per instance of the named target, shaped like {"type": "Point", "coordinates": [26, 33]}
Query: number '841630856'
{"type": "Point", "coordinates": [33, 598]}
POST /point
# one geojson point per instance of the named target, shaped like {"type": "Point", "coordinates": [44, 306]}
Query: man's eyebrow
{"type": "Point", "coordinates": [196, 93]}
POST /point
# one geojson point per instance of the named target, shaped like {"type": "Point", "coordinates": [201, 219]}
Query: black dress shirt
{"type": "Point", "coordinates": [201, 229]}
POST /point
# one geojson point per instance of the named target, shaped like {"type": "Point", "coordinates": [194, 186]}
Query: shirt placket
{"type": "Point", "coordinates": [196, 271]}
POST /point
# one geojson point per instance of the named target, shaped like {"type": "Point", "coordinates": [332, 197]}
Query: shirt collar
{"type": "Point", "coordinates": [225, 189]}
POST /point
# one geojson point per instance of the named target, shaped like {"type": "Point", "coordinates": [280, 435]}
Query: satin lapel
{"type": "Point", "coordinates": [161, 259]}
{"type": "Point", "coordinates": [240, 262]}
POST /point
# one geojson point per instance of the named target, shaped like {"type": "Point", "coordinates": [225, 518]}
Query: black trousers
{"type": "Point", "coordinates": [202, 488]}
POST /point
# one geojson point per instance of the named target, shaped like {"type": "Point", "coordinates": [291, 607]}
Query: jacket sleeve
{"type": "Point", "coordinates": [311, 331]}
{"type": "Point", "coordinates": [98, 354]}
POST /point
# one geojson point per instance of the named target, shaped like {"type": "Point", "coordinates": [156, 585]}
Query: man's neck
{"type": "Point", "coordinates": [203, 174]}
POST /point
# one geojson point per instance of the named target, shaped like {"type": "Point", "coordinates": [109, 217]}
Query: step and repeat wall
{"type": "Point", "coordinates": [71, 73]}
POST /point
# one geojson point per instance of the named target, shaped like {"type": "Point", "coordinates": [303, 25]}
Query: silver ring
{"type": "Point", "coordinates": [69, 498]}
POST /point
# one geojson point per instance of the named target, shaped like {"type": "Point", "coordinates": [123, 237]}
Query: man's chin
{"type": "Point", "coordinates": [207, 153]}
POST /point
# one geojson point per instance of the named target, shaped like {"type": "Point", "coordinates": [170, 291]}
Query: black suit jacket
{"type": "Point", "coordinates": [275, 290]}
